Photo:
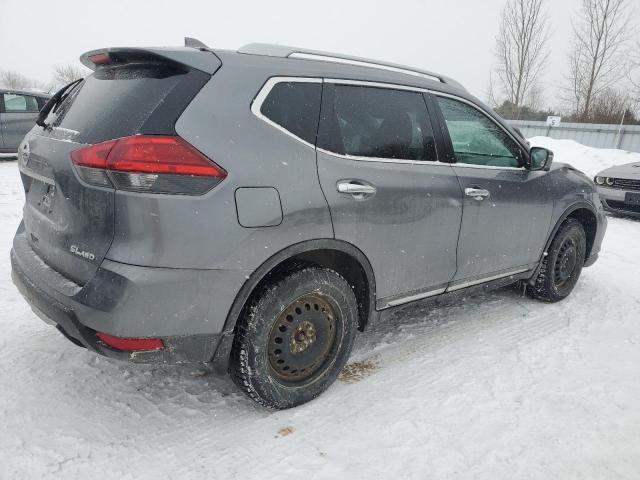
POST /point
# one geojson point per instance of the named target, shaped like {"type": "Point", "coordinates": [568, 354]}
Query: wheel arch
{"type": "Point", "coordinates": [338, 255]}
{"type": "Point", "coordinates": [586, 215]}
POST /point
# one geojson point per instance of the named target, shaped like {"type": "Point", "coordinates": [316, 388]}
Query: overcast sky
{"type": "Point", "coordinates": [454, 37]}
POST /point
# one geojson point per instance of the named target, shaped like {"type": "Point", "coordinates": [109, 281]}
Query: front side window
{"type": "Point", "coordinates": [15, 103]}
{"type": "Point", "coordinates": [476, 139]}
{"type": "Point", "coordinates": [295, 106]}
{"type": "Point", "coordinates": [377, 122]}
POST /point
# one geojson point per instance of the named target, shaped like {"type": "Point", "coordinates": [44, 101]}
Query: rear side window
{"type": "Point", "coordinates": [376, 122]}
{"type": "Point", "coordinates": [116, 101]}
{"type": "Point", "coordinates": [295, 106]}
{"type": "Point", "coordinates": [16, 103]}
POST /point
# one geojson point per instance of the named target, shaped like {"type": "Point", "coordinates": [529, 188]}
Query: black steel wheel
{"type": "Point", "coordinates": [294, 338]}
{"type": "Point", "coordinates": [562, 264]}
{"type": "Point", "coordinates": [302, 338]}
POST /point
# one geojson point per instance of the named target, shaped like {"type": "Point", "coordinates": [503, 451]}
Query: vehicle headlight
{"type": "Point", "coordinates": [599, 180]}
{"type": "Point", "coordinates": [609, 181]}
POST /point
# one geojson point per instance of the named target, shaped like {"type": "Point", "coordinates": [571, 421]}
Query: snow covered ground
{"type": "Point", "coordinates": [499, 386]}
{"type": "Point", "coordinates": [590, 160]}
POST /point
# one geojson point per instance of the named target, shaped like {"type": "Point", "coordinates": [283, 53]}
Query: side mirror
{"type": "Point", "coordinates": [540, 159]}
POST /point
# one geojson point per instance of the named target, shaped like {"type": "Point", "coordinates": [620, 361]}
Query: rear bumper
{"type": "Point", "coordinates": [185, 308]}
{"type": "Point", "coordinates": [613, 202]}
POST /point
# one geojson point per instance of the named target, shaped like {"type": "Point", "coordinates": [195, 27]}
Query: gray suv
{"type": "Point", "coordinates": [18, 112]}
{"type": "Point", "coordinates": [253, 209]}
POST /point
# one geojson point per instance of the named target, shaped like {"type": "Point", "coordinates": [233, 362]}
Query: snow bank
{"type": "Point", "coordinates": [493, 387]}
{"type": "Point", "coordinates": [588, 159]}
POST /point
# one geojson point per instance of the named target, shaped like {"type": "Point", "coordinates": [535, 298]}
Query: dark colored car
{"type": "Point", "coordinates": [255, 208]}
{"type": "Point", "coordinates": [619, 188]}
{"type": "Point", "coordinates": [18, 112]}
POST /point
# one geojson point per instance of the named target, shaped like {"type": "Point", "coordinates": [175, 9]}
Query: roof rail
{"type": "Point", "coordinates": [283, 51]}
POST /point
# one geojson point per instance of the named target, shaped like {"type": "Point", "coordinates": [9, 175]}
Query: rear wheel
{"type": "Point", "coordinates": [563, 263]}
{"type": "Point", "coordinates": [295, 338]}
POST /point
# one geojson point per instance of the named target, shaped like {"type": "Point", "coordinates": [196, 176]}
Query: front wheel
{"type": "Point", "coordinates": [294, 338]}
{"type": "Point", "coordinates": [562, 265]}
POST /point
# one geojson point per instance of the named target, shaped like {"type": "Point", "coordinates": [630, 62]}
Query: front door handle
{"type": "Point", "coordinates": [477, 193]}
{"type": "Point", "coordinates": [355, 189]}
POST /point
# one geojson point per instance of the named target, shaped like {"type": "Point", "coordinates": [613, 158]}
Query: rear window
{"type": "Point", "coordinates": [376, 122]}
{"type": "Point", "coordinates": [116, 101]}
{"type": "Point", "coordinates": [295, 106]}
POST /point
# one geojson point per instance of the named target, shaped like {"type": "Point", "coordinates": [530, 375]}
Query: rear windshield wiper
{"type": "Point", "coordinates": [53, 101]}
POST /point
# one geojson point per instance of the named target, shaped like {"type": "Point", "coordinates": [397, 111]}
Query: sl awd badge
{"type": "Point", "coordinates": [82, 253]}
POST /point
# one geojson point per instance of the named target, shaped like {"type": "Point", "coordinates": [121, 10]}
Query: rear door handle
{"type": "Point", "coordinates": [477, 193]}
{"type": "Point", "coordinates": [355, 189]}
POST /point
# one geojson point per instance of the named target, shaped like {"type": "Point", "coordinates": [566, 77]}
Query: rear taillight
{"type": "Point", "coordinates": [130, 344]}
{"type": "Point", "coordinates": [146, 163]}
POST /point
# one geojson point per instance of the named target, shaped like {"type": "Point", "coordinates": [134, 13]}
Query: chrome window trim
{"type": "Point", "coordinates": [487, 167]}
{"type": "Point", "coordinates": [363, 63]}
{"type": "Point", "coordinates": [382, 160]}
{"type": "Point", "coordinates": [257, 102]}
{"type": "Point", "coordinates": [264, 92]}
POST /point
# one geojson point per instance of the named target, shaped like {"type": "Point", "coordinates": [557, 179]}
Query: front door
{"type": "Point", "coordinates": [387, 193]}
{"type": "Point", "coordinates": [18, 117]}
{"type": "Point", "coordinates": [506, 211]}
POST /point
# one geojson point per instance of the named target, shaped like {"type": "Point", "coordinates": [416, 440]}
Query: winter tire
{"type": "Point", "coordinates": [562, 265]}
{"type": "Point", "coordinates": [294, 338]}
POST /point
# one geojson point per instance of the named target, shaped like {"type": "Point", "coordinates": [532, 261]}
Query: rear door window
{"type": "Point", "coordinates": [294, 106]}
{"type": "Point", "coordinates": [363, 121]}
{"type": "Point", "coordinates": [17, 103]}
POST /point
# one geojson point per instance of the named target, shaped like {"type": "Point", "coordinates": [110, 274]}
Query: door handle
{"type": "Point", "coordinates": [356, 189]}
{"type": "Point", "coordinates": [477, 193]}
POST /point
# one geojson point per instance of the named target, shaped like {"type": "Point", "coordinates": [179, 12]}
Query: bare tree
{"type": "Point", "coordinates": [610, 106]}
{"type": "Point", "coordinates": [490, 92]}
{"type": "Point", "coordinates": [521, 49]}
{"type": "Point", "coordinates": [14, 80]}
{"type": "Point", "coordinates": [535, 98]}
{"type": "Point", "coordinates": [595, 62]}
{"type": "Point", "coordinates": [634, 73]}
{"type": "Point", "coordinates": [65, 74]}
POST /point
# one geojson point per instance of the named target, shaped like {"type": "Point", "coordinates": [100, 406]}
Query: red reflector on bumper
{"type": "Point", "coordinates": [130, 344]}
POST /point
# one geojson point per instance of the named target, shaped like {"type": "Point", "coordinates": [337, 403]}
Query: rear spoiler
{"type": "Point", "coordinates": [194, 55]}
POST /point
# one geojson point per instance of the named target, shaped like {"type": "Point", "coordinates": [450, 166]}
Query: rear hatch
{"type": "Point", "coordinates": [69, 223]}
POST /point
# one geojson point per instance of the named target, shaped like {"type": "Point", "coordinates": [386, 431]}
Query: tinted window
{"type": "Point", "coordinates": [41, 102]}
{"type": "Point", "coordinates": [20, 103]}
{"type": "Point", "coordinates": [377, 122]}
{"type": "Point", "coordinates": [295, 106]}
{"type": "Point", "coordinates": [476, 139]}
{"type": "Point", "coordinates": [116, 101]}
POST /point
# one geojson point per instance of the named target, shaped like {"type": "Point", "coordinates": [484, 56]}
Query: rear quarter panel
{"type": "Point", "coordinates": [204, 232]}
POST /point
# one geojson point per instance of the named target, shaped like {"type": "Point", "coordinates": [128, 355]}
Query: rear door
{"type": "Point", "coordinates": [18, 116]}
{"type": "Point", "coordinates": [387, 192]}
{"type": "Point", "coordinates": [69, 223]}
{"type": "Point", "coordinates": [506, 211]}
